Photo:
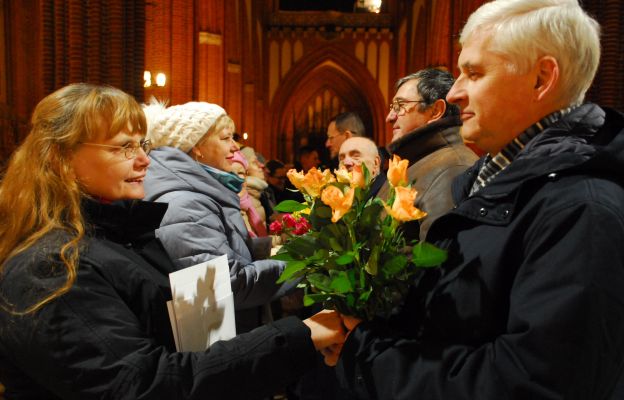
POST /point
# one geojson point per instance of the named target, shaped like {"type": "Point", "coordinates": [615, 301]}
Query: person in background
{"type": "Point", "coordinates": [84, 281]}
{"type": "Point", "coordinates": [254, 217]}
{"type": "Point", "coordinates": [191, 171]}
{"type": "Point", "coordinates": [280, 187]}
{"type": "Point", "coordinates": [308, 159]}
{"type": "Point", "coordinates": [529, 304]}
{"type": "Point", "coordinates": [361, 150]}
{"type": "Point", "coordinates": [425, 131]}
{"type": "Point", "coordinates": [257, 185]}
{"type": "Point", "coordinates": [340, 128]}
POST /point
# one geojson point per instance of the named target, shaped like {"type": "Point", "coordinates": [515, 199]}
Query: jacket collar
{"type": "Point", "coordinates": [426, 139]}
{"type": "Point", "coordinates": [124, 221]}
{"type": "Point", "coordinates": [582, 140]}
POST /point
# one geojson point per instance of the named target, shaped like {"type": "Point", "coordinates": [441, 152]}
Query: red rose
{"type": "Point", "coordinates": [289, 220]}
{"type": "Point", "coordinates": [276, 227]}
{"type": "Point", "coordinates": [302, 226]}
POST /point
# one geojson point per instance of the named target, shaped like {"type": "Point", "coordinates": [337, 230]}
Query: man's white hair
{"type": "Point", "coordinates": [525, 30]}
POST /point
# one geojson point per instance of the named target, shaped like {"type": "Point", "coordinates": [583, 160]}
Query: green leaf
{"type": "Point", "coordinates": [427, 255]}
{"type": "Point", "coordinates": [371, 266]}
{"type": "Point", "coordinates": [320, 281]}
{"type": "Point", "coordinates": [394, 265]}
{"type": "Point", "coordinates": [319, 255]}
{"type": "Point", "coordinates": [305, 246]}
{"type": "Point", "coordinates": [365, 295]}
{"type": "Point", "coordinates": [320, 215]}
{"type": "Point", "coordinates": [335, 244]}
{"type": "Point", "coordinates": [310, 299]}
{"type": "Point", "coordinates": [345, 259]}
{"type": "Point", "coordinates": [370, 216]}
{"type": "Point", "coordinates": [323, 211]}
{"type": "Point", "coordinates": [341, 284]}
{"type": "Point", "coordinates": [283, 257]}
{"type": "Point", "coordinates": [289, 206]}
{"type": "Point", "coordinates": [291, 268]}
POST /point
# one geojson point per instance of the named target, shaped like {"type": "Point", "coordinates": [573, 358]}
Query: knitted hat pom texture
{"type": "Point", "coordinates": [181, 126]}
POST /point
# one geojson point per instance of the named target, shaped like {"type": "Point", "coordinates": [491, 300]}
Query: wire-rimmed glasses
{"type": "Point", "coordinates": [398, 106]}
{"type": "Point", "coordinates": [129, 150]}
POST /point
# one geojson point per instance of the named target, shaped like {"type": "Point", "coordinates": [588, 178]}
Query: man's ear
{"type": "Point", "coordinates": [547, 77]}
{"type": "Point", "coordinates": [377, 165]}
{"type": "Point", "coordinates": [348, 134]}
{"type": "Point", "coordinates": [438, 108]}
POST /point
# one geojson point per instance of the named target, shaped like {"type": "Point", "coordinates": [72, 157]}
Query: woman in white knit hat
{"type": "Point", "coordinates": [191, 170]}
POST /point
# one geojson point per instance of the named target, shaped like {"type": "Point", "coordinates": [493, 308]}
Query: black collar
{"type": "Point", "coordinates": [123, 221]}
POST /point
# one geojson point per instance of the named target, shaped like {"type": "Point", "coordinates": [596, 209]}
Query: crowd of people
{"type": "Point", "coordinates": [106, 197]}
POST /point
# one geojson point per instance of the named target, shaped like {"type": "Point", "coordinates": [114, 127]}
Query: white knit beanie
{"type": "Point", "coordinates": [181, 126]}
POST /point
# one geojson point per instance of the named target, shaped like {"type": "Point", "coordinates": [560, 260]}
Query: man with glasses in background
{"type": "Point", "coordinates": [425, 131]}
{"type": "Point", "coordinates": [342, 127]}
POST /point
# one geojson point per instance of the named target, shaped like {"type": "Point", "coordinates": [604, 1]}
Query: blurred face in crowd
{"type": "Point", "coordinates": [358, 150]}
{"type": "Point", "coordinates": [112, 168]}
{"type": "Point", "coordinates": [217, 149]}
{"type": "Point", "coordinates": [255, 168]}
{"type": "Point", "coordinates": [239, 169]}
{"type": "Point", "coordinates": [335, 138]}
{"type": "Point", "coordinates": [405, 113]}
{"type": "Point", "coordinates": [310, 160]}
{"type": "Point", "coordinates": [278, 179]}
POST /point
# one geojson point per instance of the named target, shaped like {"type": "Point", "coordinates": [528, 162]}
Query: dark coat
{"type": "Point", "coordinates": [109, 337]}
{"type": "Point", "coordinates": [530, 303]}
{"type": "Point", "coordinates": [436, 155]}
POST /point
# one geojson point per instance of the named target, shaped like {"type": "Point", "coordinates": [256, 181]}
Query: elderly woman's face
{"type": "Point", "coordinates": [108, 172]}
{"type": "Point", "coordinates": [218, 149]}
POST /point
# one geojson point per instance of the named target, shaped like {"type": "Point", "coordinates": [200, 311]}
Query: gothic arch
{"type": "Point", "coordinates": [340, 82]}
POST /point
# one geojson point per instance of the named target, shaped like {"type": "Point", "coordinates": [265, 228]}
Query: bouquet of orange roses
{"type": "Point", "coordinates": [353, 258]}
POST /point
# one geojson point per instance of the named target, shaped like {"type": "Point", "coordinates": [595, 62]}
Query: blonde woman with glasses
{"type": "Point", "coordinates": [84, 282]}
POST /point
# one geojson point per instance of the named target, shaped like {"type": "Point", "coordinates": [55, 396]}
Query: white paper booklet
{"type": "Point", "coordinates": [202, 309]}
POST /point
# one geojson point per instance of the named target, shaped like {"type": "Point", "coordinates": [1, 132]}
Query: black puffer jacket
{"type": "Point", "coordinates": [109, 337]}
{"type": "Point", "coordinates": [530, 304]}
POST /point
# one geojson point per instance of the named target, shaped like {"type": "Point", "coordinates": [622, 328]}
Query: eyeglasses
{"type": "Point", "coordinates": [398, 106]}
{"type": "Point", "coordinates": [129, 150]}
{"type": "Point", "coordinates": [336, 135]}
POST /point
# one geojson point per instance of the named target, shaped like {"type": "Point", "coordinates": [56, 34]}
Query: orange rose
{"type": "Point", "coordinates": [339, 202]}
{"type": "Point", "coordinates": [397, 171]}
{"type": "Point", "coordinates": [403, 207]}
{"type": "Point", "coordinates": [343, 175]}
{"type": "Point", "coordinates": [311, 183]}
{"type": "Point", "coordinates": [296, 178]}
{"type": "Point", "coordinates": [357, 177]}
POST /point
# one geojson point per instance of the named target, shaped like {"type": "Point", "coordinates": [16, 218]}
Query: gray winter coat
{"type": "Point", "coordinates": [203, 221]}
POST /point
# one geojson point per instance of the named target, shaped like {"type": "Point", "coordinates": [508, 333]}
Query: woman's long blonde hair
{"type": "Point", "coordinates": [39, 192]}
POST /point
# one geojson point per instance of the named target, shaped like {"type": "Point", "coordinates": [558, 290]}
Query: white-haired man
{"type": "Point", "coordinates": [529, 304]}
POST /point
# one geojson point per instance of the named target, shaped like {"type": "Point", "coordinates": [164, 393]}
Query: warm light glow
{"type": "Point", "coordinates": [369, 5]}
{"type": "Point", "coordinates": [245, 136]}
{"type": "Point", "coordinates": [375, 6]}
{"type": "Point", "coordinates": [147, 78]}
{"type": "Point", "coordinates": [161, 79]}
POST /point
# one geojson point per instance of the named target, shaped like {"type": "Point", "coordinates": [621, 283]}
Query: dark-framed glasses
{"type": "Point", "coordinates": [398, 106]}
{"type": "Point", "coordinates": [129, 150]}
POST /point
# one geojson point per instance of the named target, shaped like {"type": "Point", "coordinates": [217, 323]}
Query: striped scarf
{"type": "Point", "coordinates": [494, 165]}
